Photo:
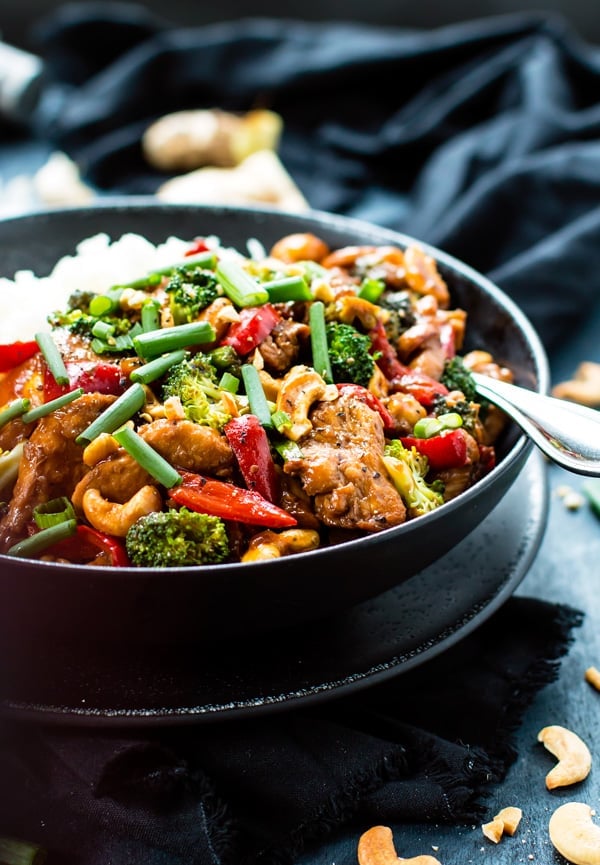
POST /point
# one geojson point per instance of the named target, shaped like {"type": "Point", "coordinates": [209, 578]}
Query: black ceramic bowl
{"type": "Point", "coordinates": [154, 605]}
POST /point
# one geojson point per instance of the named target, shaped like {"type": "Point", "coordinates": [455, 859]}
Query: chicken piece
{"type": "Point", "coordinates": [342, 467]}
{"type": "Point", "coordinates": [281, 348]}
{"type": "Point", "coordinates": [190, 446]}
{"type": "Point", "coordinates": [52, 463]}
{"type": "Point", "coordinates": [118, 478]}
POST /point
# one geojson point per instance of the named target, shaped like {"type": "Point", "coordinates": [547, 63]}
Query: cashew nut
{"type": "Point", "coordinates": [376, 847]}
{"type": "Point", "coordinates": [574, 758]}
{"type": "Point", "coordinates": [273, 545]}
{"type": "Point", "coordinates": [592, 675]}
{"type": "Point", "coordinates": [300, 388]}
{"type": "Point", "coordinates": [114, 518]}
{"type": "Point", "coordinates": [584, 388]}
{"type": "Point", "coordinates": [574, 834]}
{"type": "Point", "coordinates": [99, 449]}
{"type": "Point", "coordinates": [505, 822]}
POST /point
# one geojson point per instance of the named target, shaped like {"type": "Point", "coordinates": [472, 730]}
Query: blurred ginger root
{"type": "Point", "coordinates": [186, 140]}
{"type": "Point", "coordinates": [584, 387]}
{"type": "Point", "coordinates": [260, 179]}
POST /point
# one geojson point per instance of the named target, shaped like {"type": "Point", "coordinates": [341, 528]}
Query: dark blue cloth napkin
{"type": "Point", "coordinates": [424, 747]}
{"type": "Point", "coordinates": [481, 138]}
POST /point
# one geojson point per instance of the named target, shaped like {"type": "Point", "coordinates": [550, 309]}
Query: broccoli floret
{"type": "Point", "coordinates": [456, 376]}
{"type": "Point", "coordinates": [349, 353]}
{"type": "Point", "coordinates": [408, 469]}
{"type": "Point", "coordinates": [177, 538]}
{"type": "Point", "coordinates": [191, 291]}
{"type": "Point", "coordinates": [402, 315]}
{"type": "Point", "coordinates": [226, 359]}
{"type": "Point", "coordinates": [194, 382]}
{"type": "Point", "coordinates": [469, 411]}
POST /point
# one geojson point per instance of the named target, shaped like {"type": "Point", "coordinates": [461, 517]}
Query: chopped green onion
{"type": "Point", "coordinates": [256, 395]}
{"type": "Point", "coordinates": [426, 427]}
{"type": "Point", "coordinates": [157, 367]}
{"type": "Point", "coordinates": [103, 329]}
{"type": "Point", "coordinates": [53, 357]}
{"type": "Point", "coordinates": [281, 420]}
{"type": "Point", "coordinates": [48, 407]}
{"type": "Point", "coordinates": [123, 342]}
{"type": "Point", "coordinates": [239, 286]}
{"type": "Point", "coordinates": [155, 342]}
{"type": "Point", "coordinates": [288, 450]}
{"type": "Point", "coordinates": [371, 289]}
{"type": "Point", "coordinates": [14, 409]}
{"type": "Point", "coordinates": [229, 382]}
{"type": "Point", "coordinates": [43, 539]}
{"type": "Point", "coordinates": [150, 316]}
{"type": "Point", "coordinates": [450, 420]}
{"type": "Point", "coordinates": [147, 457]}
{"type": "Point", "coordinates": [318, 341]}
{"type": "Point", "coordinates": [16, 852]}
{"type": "Point", "coordinates": [106, 304]}
{"type": "Point", "coordinates": [120, 411]}
{"type": "Point", "coordinates": [312, 269]}
{"type": "Point", "coordinates": [288, 288]}
{"type": "Point", "coordinates": [53, 512]}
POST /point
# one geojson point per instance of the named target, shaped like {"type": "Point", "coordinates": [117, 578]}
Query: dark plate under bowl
{"type": "Point", "coordinates": [39, 599]}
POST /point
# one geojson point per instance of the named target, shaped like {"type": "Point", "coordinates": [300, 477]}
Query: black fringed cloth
{"type": "Point", "coordinates": [424, 747]}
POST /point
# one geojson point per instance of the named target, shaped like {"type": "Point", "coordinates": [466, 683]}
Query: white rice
{"type": "Point", "coordinates": [98, 264]}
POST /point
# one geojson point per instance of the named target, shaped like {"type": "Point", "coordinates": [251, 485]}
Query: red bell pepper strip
{"type": "Point", "coordinates": [14, 353]}
{"type": "Point", "coordinates": [87, 543]}
{"type": "Point", "coordinates": [256, 323]}
{"type": "Point", "coordinates": [93, 377]}
{"type": "Point", "coordinates": [401, 377]}
{"type": "Point", "coordinates": [371, 400]}
{"type": "Point", "coordinates": [447, 450]}
{"type": "Point", "coordinates": [386, 357]}
{"type": "Point", "coordinates": [199, 245]}
{"type": "Point", "coordinates": [229, 502]}
{"type": "Point", "coordinates": [250, 445]}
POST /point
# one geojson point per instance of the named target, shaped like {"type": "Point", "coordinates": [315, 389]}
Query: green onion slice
{"type": "Point", "coordinates": [288, 288]}
{"type": "Point", "coordinates": [53, 357]}
{"type": "Point", "coordinates": [147, 457]}
{"type": "Point", "coordinates": [155, 342]}
{"type": "Point", "coordinates": [371, 289]}
{"type": "Point", "coordinates": [53, 512]}
{"type": "Point", "coordinates": [150, 316]}
{"type": "Point", "coordinates": [120, 411]}
{"type": "Point", "coordinates": [256, 395]}
{"type": "Point", "coordinates": [105, 304]}
{"type": "Point", "coordinates": [281, 420]}
{"type": "Point", "coordinates": [48, 407]}
{"type": "Point", "coordinates": [239, 286]}
{"type": "Point", "coordinates": [229, 383]}
{"type": "Point", "coordinates": [288, 449]}
{"type": "Point", "coordinates": [157, 367]}
{"type": "Point", "coordinates": [14, 409]}
{"type": "Point", "coordinates": [426, 427]}
{"type": "Point", "coordinates": [318, 341]}
{"type": "Point", "coordinates": [103, 329]}
{"type": "Point", "coordinates": [43, 539]}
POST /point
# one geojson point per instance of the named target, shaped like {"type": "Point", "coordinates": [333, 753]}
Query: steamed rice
{"type": "Point", "coordinates": [97, 265]}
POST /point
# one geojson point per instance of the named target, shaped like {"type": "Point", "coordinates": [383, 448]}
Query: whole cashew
{"type": "Point", "coordinates": [574, 758]}
{"type": "Point", "coordinates": [114, 518]}
{"type": "Point", "coordinates": [273, 545]}
{"type": "Point", "coordinates": [376, 847]}
{"type": "Point", "coordinates": [574, 834]}
{"type": "Point", "coordinates": [300, 388]}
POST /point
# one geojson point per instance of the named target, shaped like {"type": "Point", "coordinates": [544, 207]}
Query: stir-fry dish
{"type": "Point", "coordinates": [241, 407]}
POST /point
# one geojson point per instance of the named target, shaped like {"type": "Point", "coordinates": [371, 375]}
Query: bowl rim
{"type": "Point", "coordinates": [329, 222]}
